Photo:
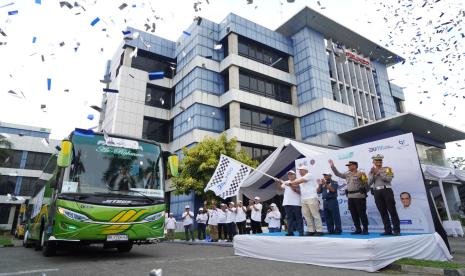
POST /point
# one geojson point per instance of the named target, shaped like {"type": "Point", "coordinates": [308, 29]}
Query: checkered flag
{"type": "Point", "coordinates": [228, 177]}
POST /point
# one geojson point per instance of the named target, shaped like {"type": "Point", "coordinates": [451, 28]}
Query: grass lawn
{"type": "Point", "coordinates": [5, 240]}
{"type": "Point", "coordinates": [426, 263]}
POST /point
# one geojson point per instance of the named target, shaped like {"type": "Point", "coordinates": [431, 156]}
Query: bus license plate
{"type": "Point", "coordinates": [117, 237]}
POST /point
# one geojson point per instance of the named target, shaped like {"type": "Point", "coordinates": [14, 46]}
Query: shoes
{"type": "Point", "coordinates": [356, 232]}
{"type": "Point", "coordinates": [331, 232]}
{"type": "Point", "coordinates": [365, 232]}
{"type": "Point", "coordinates": [337, 232]}
{"type": "Point", "coordinates": [308, 234]}
{"type": "Point", "coordinates": [318, 234]}
{"type": "Point", "coordinates": [396, 234]}
{"type": "Point", "coordinates": [386, 234]}
{"type": "Point", "coordinates": [289, 234]}
{"type": "Point", "coordinates": [301, 234]}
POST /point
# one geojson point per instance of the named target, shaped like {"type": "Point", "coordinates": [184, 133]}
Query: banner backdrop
{"type": "Point", "coordinates": [400, 154]}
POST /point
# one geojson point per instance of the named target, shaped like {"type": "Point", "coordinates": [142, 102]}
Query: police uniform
{"type": "Point", "coordinates": [380, 184]}
{"type": "Point", "coordinates": [331, 206]}
{"type": "Point", "coordinates": [356, 194]}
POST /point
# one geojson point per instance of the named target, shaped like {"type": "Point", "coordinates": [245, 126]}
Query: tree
{"type": "Point", "coordinates": [5, 149]}
{"type": "Point", "coordinates": [199, 163]}
{"type": "Point", "coordinates": [457, 162]}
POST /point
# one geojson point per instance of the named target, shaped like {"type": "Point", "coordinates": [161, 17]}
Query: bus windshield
{"type": "Point", "coordinates": [112, 165]}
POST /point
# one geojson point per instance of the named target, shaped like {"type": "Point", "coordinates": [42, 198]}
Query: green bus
{"type": "Point", "coordinates": [98, 188]}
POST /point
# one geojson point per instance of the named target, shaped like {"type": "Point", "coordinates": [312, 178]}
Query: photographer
{"type": "Point", "coordinates": [328, 190]}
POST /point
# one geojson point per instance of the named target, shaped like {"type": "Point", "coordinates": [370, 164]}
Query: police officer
{"type": "Point", "coordinates": [380, 182]}
{"type": "Point", "coordinates": [328, 190]}
{"type": "Point", "coordinates": [356, 193]}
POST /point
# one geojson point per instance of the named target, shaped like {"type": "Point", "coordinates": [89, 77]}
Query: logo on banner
{"type": "Point", "coordinates": [379, 148]}
{"type": "Point", "coordinates": [346, 155]}
{"type": "Point", "coordinates": [402, 144]}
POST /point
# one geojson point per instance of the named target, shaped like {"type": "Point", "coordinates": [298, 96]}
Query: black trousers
{"type": "Point", "coordinates": [231, 230]}
{"type": "Point", "coordinates": [256, 226]}
{"type": "Point", "coordinates": [358, 211]}
{"type": "Point", "coordinates": [189, 229]}
{"type": "Point", "coordinates": [332, 215]}
{"type": "Point", "coordinates": [294, 219]}
{"type": "Point", "coordinates": [201, 227]}
{"type": "Point", "coordinates": [386, 204]}
{"type": "Point", "coordinates": [241, 227]}
{"type": "Point", "coordinates": [222, 231]}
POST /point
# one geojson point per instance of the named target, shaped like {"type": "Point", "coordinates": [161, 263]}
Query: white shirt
{"type": "Point", "coordinates": [230, 215]}
{"type": "Point", "coordinates": [213, 220]}
{"type": "Point", "coordinates": [291, 198]}
{"type": "Point", "coordinates": [170, 223]}
{"type": "Point", "coordinates": [240, 215]}
{"type": "Point", "coordinates": [309, 187]}
{"type": "Point", "coordinates": [201, 218]}
{"type": "Point", "coordinates": [221, 216]}
{"type": "Point", "coordinates": [187, 220]}
{"type": "Point", "coordinates": [412, 219]}
{"type": "Point", "coordinates": [273, 219]}
{"type": "Point", "coordinates": [256, 215]}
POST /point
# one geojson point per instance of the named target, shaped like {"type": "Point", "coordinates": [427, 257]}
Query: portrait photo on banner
{"type": "Point", "coordinates": [409, 190]}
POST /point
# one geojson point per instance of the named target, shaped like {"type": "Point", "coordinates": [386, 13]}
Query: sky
{"type": "Point", "coordinates": [45, 41]}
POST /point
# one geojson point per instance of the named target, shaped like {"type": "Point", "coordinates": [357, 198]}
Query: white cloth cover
{"type": "Point", "coordinates": [446, 174]}
{"type": "Point", "coordinates": [460, 174]}
{"type": "Point", "coordinates": [453, 228]}
{"type": "Point", "coordinates": [360, 254]}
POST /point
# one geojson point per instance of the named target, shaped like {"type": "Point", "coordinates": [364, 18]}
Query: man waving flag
{"type": "Point", "coordinates": [228, 177]}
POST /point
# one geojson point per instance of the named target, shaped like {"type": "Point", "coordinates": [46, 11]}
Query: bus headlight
{"type": "Point", "coordinates": [72, 215]}
{"type": "Point", "coordinates": [154, 217]}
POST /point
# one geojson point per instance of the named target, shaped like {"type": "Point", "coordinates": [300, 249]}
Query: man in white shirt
{"type": "Point", "coordinates": [240, 217]}
{"type": "Point", "coordinates": [170, 226]}
{"type": "Point", "coordinates": [212, 220]}
{"type": "Point", "coordinates": [310, 204]}
{"type": "Point", "coordinates": [273, 218]}
{"type": "Point", "coordinates": [230, 218]}
{"type": "Point", "coordinates": [256, 215]}
{"type": "Point", "coordinates": [187, 222]}
{"type": "Point", "coordinates": [201, 219]}
{"type": "Point", "coordinates": [292, 205]}
{"type": "Point", "coordinates": [412, 218]}
{"type": "Point", "coordinates": [222, 226]}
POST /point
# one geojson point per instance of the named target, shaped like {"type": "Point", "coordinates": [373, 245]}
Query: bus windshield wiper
{"type": "Point", "coordinates": [147, 197]}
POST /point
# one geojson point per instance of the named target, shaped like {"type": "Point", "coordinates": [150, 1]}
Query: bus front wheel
{"type": "Point", "coordinates": [124, 248]}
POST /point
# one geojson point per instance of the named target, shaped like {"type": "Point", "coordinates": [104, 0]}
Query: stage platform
{"type": "Point", "coordinates": [361, 252]}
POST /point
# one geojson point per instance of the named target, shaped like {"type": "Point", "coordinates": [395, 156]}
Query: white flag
{"type": "Point", "coordinates": [228, 177]}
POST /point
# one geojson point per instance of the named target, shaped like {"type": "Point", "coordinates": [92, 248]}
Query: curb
{"type": "Point", "coordinates": [220, 244]}
{"type": "Point", "coordinates": [427, 270]}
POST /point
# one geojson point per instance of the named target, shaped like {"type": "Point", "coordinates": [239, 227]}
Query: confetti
{"type": "Point", "coordinates": [13, 12]}
{"type": "Point", "coordinates": [6, 5]}
{"type": "Point", "coordinates": [124, 5]}
{"type": "Point", "coordinates": [109, 90]}
{"type": "Point", "coordinates": [65, 3]}
{"type": "Point", "coordinates": [95, 21]}
{"type": "Point", "coordinates": [49, 84]}
{"type": "Point", "coordinates": [186, 33]}
{"type": "Point", "coordinates": [39, 2]}
{"type": "Point", "coordinates": [90, 117]}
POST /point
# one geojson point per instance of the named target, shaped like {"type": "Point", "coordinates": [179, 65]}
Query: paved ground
{"type": "Point", "coordinates": [173, 258]}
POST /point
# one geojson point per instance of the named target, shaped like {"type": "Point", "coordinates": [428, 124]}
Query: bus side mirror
{"type": "Point", "coordinates": [173, 162]}
{"type": "Point", "coordinates": [64, 156]}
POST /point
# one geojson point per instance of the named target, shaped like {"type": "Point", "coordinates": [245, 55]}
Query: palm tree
{"type": "Point", "coordinates": [5, 149]}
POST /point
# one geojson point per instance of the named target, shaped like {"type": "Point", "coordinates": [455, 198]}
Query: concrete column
{"type": "Point", "coordinates": [233, 44]}
{"type": "Point", "coordinates": [127, 60]}
{"type": "Point", "coordinates": [294, 95]}
{"type": "Point", "coordinates": [298, 131]}
{"type": "Point", "coordinates": [234, 115]}
{"type": "Point", "coordinates": [233, 77]}
{"type": "Point", "coordinates": [290, 62]}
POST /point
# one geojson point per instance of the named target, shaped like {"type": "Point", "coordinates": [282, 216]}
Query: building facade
{"type": "Point", "coordinates": [30, 151]}
{"type": "Point", "coordinates": [309, 80]}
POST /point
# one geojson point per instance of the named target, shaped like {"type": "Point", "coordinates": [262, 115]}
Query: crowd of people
{"type": "Point", "coordinates": [301, 203]}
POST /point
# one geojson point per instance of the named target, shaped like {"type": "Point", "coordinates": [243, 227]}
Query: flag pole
{"type": "Point", "coordinates": [264, 173]}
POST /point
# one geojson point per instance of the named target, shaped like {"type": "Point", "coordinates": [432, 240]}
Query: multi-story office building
{"type": "Point", "coordinates": [30, 150]}
{"type": "Point", "coordinates": [309, 79]}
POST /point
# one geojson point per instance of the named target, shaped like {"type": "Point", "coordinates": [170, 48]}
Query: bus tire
{"type": "Point", "coordinates": [26, 242]}
{"type": "Point", "coordinates": [49, 248]}
{"type": "Point", "coordinates": [124, 248]}
{"type": "Point", "coordinates": [39, 243]}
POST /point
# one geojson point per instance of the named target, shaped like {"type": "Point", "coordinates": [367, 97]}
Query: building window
{"type": "Point", "coordinates": [27, 186]}
{"type": "Point", "coordinates": [267, 123]}
{"type": "Point", "coordinates": [158, 97]}
{"type": "Point", "coordinates": [13, 160]}
{"type": "Point", "coordinates": [5, 213]}
{"type": "Point", "coordinates": [150, 62]}
{"type": "Point", "coordinates": [398, 103]}
{"type": "Point", "coordinates": [36, 160]}
{"type": "Point", "coordinates": [157, 130]}
{"type": "Point", "coordinates": [265, 87]}
{"type": "Point", "coordinates": [257, 152]}
{"type": "Point", "coordinates": [7, 184]}
{"type": "Point", "coordinates": [263, 54]}
{"type": "Point", "coordinates": [431, 155]}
